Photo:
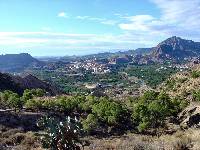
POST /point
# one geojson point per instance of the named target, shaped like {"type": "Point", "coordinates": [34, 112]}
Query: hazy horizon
{"type": "Point", "coordinates": [76, 27]}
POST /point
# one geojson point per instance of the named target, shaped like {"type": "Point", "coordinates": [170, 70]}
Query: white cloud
{"type": "Point", "coordinates": [98, 20]}
{"type": "Point", "coordinates": [82, 17]}
{"type": "Point", "coordinates": [50, 43]}
{"type": "Point", "coordinates": [109, 22]}
{"type": "Point", "coordinates": [138, 22]}
{"type": "Point", "coordinates": [63, 15]}
{"type": "Point", "coordinates": [178, 17]}
{"type": "Point", "coordinates": [90, 18]}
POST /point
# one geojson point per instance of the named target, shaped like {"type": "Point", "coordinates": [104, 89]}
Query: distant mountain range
{"type": "Point", "coordinates": [17, 62]}
{"type": "Point", "coordinates": [18, 84]}
{"type": "Point", "coordinates": [173, 49]}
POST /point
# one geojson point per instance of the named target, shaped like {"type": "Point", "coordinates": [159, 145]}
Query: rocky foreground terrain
{"type": "Point", "coordinates": [19, 131]}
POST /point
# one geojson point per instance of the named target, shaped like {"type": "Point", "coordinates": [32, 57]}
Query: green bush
{"type": "Point", "coordinates": [88, 103]}
{"type": "Point", "coordinates": [153, 108]}
{"type": "Point", "coordinates": [34, 104]}
{"type": "Point", "coordinates": [9, 99]}
{"type": "Point", "coordinates": [90, 123]}
{"type": "Point", "coordinates": [4, 98]}
{"type": "Point", "coordinates": [66, 104]}
{"type": "Point", "coordinates": [29, 94]}
{"type": "Point", "coordinates": [196, 95]}
{"type": "Point", "coordinates": [50, 104]}
{"type": "Point", "coordinates": [195, 74]}
{"type": "Point", "coordinates": [14, 101]}
{"type": "Point", "coordinates": [110, 112]}
{"type": "Point", "coordinates": [170, 83]}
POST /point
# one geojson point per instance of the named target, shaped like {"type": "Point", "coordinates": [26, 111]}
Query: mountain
{"type": "Point", "coordinates": [175, 48]}
{"type": "Point", "coordinates": [17, 62]}
{"type": "Point", "coordinates": [18, 84]}
{"type": "Point", "coordinates": [107, 55]}
{"type": "Point", "coordinates": [142, 51]}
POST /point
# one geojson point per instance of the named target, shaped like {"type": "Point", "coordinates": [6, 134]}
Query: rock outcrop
{"type": "Point", "coordinates": [190, 117]}
{"type": "Point", "coordinates": [176, 48]}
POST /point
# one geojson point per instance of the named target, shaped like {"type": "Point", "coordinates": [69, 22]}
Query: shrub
{"type": "Point", "coordinates": [88, 103]}
{"type": "Point", "coordinates": [195, 74]}
{"type": "Point", "coordinates": [11, 100]}
{"type": "Point", "coordinates": [110, 112]}
{"type": "Point", "coordinates": [170, 83]}
{"type": "Point", "coordinates": [50, 104]}
{"type": "Point", "coordinates": [196, 95]}
{"type": "Point", "coordinates": [14, 101]}
{"type": "Point", "coordinates": [178, 104]}
{"type": "Point", "coordinates": [34, 104]}
{"type": "Point", "coordinates": [90, 123]}
{"type": "Point", "coordinates": [29, 94]}
{"type": "Point", "coordinates": [152, 109]}
{"type": "Point", "coordinates": [66, 104]}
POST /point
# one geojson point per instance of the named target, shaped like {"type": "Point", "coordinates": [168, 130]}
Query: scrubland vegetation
{"type": "Point", "coordinates": [97, 116]}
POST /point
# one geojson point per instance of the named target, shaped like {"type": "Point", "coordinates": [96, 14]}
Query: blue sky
{"type": "Point", "coordinates": [68, 27]}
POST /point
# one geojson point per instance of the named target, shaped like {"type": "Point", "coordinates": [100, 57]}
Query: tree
{"type": "Point", "coordinates": [27, 95]}
{"type": "Point", "coordinates": [109, 111]}
{"type": "Point", "coordinates": [34, 104]}
{"type": "Point", "coordinates": [9, 99]}
{"type": "Point", "coordinates": [152, 109]}
{"type": "Point", "coordinates": [88, 103]}
{"type": "Point", "coordinates": [90, 123]}
{"type": "Point", "coordinates": [14, 101]}
{"type": "Point", "coordinates": [4, 98]}
{"type": "Point", "coordinates": [38, 92]}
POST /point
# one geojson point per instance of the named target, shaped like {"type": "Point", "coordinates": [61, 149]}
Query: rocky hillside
{"type": "Point", "coordinates": [183, 83]}
{"type": "Point", "coordinates": [17, 62]}
{"type": "Point", "coordinates": [19, 84]}
{"type": "Point", "coordinates": [176, 48]}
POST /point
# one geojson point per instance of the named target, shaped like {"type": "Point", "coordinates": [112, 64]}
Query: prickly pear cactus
{"type": "Point", "coordinates": [61, 135]}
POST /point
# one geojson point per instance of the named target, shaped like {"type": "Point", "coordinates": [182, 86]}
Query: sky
{"type": "Point", "coordinates": [80, 27]}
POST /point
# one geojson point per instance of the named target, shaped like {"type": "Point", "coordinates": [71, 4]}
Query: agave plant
{"type": "Point", "coordinates": [61, 135]}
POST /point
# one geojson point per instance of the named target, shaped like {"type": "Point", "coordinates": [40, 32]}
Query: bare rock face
{"type": "Point", "coordinates": [190, 117]}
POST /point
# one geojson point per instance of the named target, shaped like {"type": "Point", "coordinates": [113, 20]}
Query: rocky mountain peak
{"type": "Point", "coordinates": [176, 48]}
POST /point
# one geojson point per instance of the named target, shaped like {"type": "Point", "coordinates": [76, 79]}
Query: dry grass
{"type": "Point", "coordinates": [18, 140]}
{"type": "Point", "coordinates": [182, 140]}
